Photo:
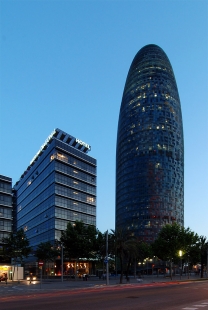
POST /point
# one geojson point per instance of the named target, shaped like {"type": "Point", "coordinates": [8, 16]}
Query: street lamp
{"type": "Point", "coordinates": [107, 261]}
{"type": "Point", "coordinates": [147, 264]}
{"type": "Point", "coordinates": [171, 268]}
{"type": "Point", "coordinates": [207, 262]}
{"type": "Point", "coordinates": [180, 254]}
{"type": "Point", "coordinates": [62, 262]}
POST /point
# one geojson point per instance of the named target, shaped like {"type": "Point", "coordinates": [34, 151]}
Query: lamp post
{"type": "Point", "coordinates": [171, 268]}
{"type": "Point", "coordinates": [62, 262]}
{"type": "Point", "coordinates": [107, 263]}
{"type": "Point", "coordinates": [188, 266]}
{"type": "Point", "coordinates": [147, 264]}
{"type": "Point", "coordinates": [180, 254]}
{"type": "Point", "coordinates": [207, 262]}
{"type": "Point", "coordinates": [152, 265]}
{"type": "Point", "coordinates": [144, 267]}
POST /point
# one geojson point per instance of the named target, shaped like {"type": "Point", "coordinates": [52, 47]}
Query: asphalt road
{"type": "Point", "coordinates": [154, 296]}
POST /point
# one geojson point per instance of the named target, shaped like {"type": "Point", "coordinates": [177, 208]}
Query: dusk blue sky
{"type": "Point", "coordinates": [64, 64]}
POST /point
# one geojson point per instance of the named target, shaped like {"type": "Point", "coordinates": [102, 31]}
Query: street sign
{"type": "Point", "coordinates": [40, 264]}
{"type": "Point", "coordinates": [105, 261]}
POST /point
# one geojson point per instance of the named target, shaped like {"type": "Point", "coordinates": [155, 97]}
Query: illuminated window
{"type": "Point", "coordinates": [62, 157]}
{"type": "Point", "coordinates": [90, 199]}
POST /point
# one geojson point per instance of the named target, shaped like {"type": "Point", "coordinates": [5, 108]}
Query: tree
{"type": "Point", "coordinates": [46, 252]}
{"type": "Point", "coordinates": [171, 239]}
{"type": "Point", "coordinates": [202, 246]}
{"type": "Point", "coordinates": [79, 240]}
{"type": "Point", "coordinates": [126, 247]}
{"type": "Point", "coordinates": [17, 246]}
{"type": "Point", "coordinates": [101, 246]}
{"type": "Point", "coordinates": [144, 250]}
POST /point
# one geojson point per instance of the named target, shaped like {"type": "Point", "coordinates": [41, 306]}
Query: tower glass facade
{"type": "Point", "coordinates": [150, 147]}
{"type": "Point", "coordinates": [58, 186]}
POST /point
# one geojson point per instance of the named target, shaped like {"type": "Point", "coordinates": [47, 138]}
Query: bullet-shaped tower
{"type": "Point", "coordinates": [150, 148]}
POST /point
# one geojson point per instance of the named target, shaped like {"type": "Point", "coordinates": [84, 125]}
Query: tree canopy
{"type": "Point", "coordinates": [46, 252]}
{"type": "Point", "coordinates": [79, 240]}
{"type": "Point", "coordinates": [172, 239]}
{"type": "Point", "coordinates": [17, 246]}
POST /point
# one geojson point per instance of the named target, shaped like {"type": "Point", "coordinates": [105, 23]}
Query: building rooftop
{"type": "Point", "coordinates": [63, 137]}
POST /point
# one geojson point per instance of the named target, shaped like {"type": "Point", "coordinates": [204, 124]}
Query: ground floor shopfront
{"type": "Point", "coordinates": [70, 268]}
{"type": "Point", "coordinates": [11, 272]}
{"type": "Point", "coordinates": [5, 271]}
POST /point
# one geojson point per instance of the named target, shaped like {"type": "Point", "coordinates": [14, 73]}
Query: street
{"type": "Point", "coordinates": [151, 296]}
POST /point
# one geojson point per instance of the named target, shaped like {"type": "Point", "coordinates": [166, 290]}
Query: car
{"type": "Point", "coordinates": [31, 278]}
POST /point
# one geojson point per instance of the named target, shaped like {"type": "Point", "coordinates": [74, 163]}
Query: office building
{"type": "Point", "coordinates": [5, 210]}
{"type": "Point", "coordinates": [150, 148]}
{"type": "Point", "coordinates": [58, 186]}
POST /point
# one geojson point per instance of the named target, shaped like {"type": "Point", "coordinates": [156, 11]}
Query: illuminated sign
{"type": "Point", "coordinates": [42, 146]}
{"type": "Point", "coordinates": [83, 143]}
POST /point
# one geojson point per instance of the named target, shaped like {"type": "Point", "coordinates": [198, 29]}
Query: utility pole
{"type": "Point", "coordinates": [107, 266]}
{"type": "Point", "coordinates": [207, 262]}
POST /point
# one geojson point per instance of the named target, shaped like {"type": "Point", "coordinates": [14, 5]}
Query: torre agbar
{"type": "Point", "coordinates": [150, 148]}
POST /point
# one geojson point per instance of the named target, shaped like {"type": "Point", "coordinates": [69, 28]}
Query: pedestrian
{"type": "Point", "coordinates": [6, 278]}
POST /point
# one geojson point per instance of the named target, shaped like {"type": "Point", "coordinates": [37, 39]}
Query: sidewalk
{"type": "Point", "coordinates": [56, 284]}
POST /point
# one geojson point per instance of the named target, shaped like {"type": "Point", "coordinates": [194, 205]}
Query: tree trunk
{"type": "Point", "coordinates": [121, 262]}
{"type": "Point", "coordinates": [135, 262]}
{"type": "Point", "coordinates": [127, 270]}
